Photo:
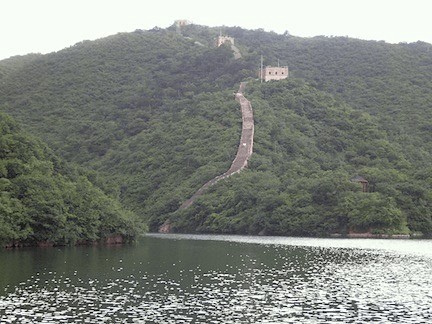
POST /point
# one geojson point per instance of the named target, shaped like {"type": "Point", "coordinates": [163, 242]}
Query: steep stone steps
{"type": "Point", "coordinates": [244, 150]}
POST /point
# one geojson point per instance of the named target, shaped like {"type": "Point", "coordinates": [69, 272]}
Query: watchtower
{"type": "Point", "coordinates": [224, 40]}
{"type": "Point", "coordinates": [181, 23]}
{"type": "Point", "coordinates": [273, 73]}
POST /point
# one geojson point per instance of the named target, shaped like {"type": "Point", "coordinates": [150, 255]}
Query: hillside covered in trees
{"type": "Point", "coordinates": [151, 116]}
{"type": "Point", "coordinates": [43, 201]}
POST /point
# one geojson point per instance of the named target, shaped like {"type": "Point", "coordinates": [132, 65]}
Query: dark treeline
{"type": "Point", "coordinates": [42, 200]}
{"type": "Point", "coordinates": [151, 116]}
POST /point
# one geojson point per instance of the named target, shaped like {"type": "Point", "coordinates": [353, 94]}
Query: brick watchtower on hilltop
{"type": "Point", "coordinates": [181, 23]}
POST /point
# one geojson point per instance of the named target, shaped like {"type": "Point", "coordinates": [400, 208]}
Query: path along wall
{"type": "Point", "coordinates": [244, 150]}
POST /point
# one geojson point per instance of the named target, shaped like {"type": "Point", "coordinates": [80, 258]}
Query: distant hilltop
{"type": "Point", "coordinates": [267, 73]}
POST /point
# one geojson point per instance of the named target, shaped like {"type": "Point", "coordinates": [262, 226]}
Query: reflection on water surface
{"type": "Point", "coordinates": [220, 279]}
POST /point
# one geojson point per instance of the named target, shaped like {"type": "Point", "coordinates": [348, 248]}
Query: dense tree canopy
{"type": "Point", "coordinates": [309, 146]}
{"type": "Point", "coordinates": [151, 116]}
{"type": "Point", "coordinates": [43, 200]}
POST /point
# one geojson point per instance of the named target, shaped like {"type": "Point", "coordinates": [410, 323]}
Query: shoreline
{"type": "Point", "coordinates": [330, 236]}
{"type": "Point", "coordinates": [109, 240]}
{"type": "Point", "coordinates": [377, 236]}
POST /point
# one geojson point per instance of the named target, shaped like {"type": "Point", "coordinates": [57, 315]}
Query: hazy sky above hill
{"type": "Point", "coordinates": [42, 26]}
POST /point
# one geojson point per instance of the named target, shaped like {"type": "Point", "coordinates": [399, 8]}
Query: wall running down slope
{"type": "Point", "coordinates": [244, 150]}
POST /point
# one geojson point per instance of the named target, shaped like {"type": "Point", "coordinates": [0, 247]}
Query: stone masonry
{"type": "Point", "coordinates": [244, 150]}
{"type": "Point", "coordinates": [274, 73]}
{"type": "Point", "coordinates": [224, 39]}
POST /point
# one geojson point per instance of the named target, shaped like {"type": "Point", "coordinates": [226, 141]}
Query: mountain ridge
{"type": "Point", "coordinates": [151, 113]}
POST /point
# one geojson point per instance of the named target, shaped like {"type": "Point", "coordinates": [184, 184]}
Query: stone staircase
{"type": "Point", "coordinates": [244, 150]}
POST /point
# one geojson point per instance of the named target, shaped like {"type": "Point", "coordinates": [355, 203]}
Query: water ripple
{"type": "Point", "coordinates": [260, 284]}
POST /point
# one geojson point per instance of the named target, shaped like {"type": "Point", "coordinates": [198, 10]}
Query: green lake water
{"type": "Point", "coordinates": [220, 279]}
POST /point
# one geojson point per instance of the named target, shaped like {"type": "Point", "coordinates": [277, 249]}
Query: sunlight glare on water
{"type": "Point", "coordinates": [224, 279]}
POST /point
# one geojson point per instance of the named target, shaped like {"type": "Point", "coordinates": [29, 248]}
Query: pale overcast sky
{"type": "Point", "coordinates": [42, 26]}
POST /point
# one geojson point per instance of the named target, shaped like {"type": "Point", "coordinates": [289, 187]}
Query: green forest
{"type": "Point", "coordinates": [43, 200]}
{"type": "Point", "coordinates": [109, 137]}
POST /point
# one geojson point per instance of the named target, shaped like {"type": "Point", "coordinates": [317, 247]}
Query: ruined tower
{"type": "Point", "coordinates": [224, 40]}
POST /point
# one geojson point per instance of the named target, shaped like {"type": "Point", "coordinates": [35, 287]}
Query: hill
{"type": "Point", "coordinates": [43, 201]}
{"type": "Point", "coordinates": [309, 146]}
{"type": "Point", "coordinates": [152, 113]}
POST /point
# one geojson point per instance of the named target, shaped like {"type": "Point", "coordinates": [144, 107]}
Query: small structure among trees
{"type": "Point", "coordinates": [181, 23]}
{"type": "Point", "coordinates": [362, 181]}
{"type": "Point", "coordinates": [273, 73]}
{"type": "Point", "coordinates": [220, 40]}
{"type": "Point", "coordinates": [224, 40]}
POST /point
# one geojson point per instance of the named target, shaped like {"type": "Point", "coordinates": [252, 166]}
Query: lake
{"type": "Point", "coordinates": [220, 279]}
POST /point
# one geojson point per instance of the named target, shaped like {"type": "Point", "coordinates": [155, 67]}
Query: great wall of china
{"type": "Point", "coordinates": [245, 147]}
{"type": "Point", "coordinates": [244, 150]}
